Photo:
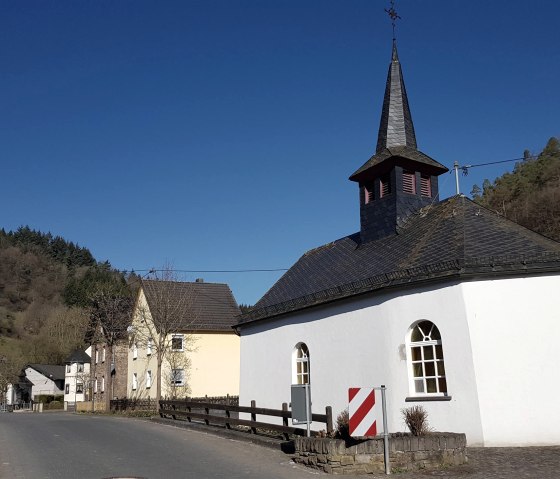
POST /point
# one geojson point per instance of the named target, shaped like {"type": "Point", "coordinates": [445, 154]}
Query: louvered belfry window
{"type": "Point", "coordinates": [384, 186]}
{"type": "Point", "coordinates": [368, 193]}
{"type": "Point", "coordinates": [409, 182]}
{"type": "Point", "coordinates": [425, 186]}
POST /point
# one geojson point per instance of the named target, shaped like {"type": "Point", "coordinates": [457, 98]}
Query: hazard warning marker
{"type": "Point", "coordinates": [362, 411]}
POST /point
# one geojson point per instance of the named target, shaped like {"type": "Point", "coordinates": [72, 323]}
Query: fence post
{"type": "Point", "coordinates": [285, 419]}
{"type": "Point", "coordinates": [228, 415]}
{"type": "Point", "coordinates": [253, 416]}
{"type": "Point", "coordinates": [207, 412]}
{"type": "Point", "coordinates": [328, 412]}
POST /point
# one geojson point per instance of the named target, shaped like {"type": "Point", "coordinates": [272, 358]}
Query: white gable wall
{"type": "Point", "coordinates": [361, 343]}
{"type": "Point", "coordinates": [515, 326]}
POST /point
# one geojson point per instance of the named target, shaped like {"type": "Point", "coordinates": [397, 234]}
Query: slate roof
{"type": "Point", "coordinates": [78, 356]}
{"type": "Point", "coordinates": [203, 306]}
{"type": "Point", "coordinates": [394, 152]}
{"type": "Point", "coordinates": [54, 372]}
{"type": "Point", "coordinates": [455, 238]}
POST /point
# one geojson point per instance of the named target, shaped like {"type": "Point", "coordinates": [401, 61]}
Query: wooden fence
{"type": "Point", "coordinates": [228, 416]}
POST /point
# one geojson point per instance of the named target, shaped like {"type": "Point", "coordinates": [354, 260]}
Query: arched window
{"type": "Point", "coordinates": [425, 358]}
{"type": "Point", "coordinates": [300, 364]}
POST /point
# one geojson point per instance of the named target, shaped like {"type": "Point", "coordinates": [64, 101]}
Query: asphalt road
{"type": "Point", "coordinates": [70, 446]}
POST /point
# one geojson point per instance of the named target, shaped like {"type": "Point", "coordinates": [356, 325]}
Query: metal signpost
{"type": "Point", "coordinates": [301, 406]}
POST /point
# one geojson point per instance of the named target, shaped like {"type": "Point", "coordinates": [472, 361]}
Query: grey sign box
{"type": "Point", "coordinates": [301, 408]}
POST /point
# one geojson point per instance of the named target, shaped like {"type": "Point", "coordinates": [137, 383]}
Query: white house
{"type": "Point", "coordinates": [449, 305]}
{"type": "Point", "coordinates": [77, 377]}
{"type": "Point", "coordinates": [40, 379]}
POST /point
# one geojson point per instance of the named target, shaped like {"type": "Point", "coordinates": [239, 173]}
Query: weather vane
{"type": "Point", "coordinates": [393, 15]}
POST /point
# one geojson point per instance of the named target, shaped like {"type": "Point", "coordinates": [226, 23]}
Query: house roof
{"type": "Point", "coordinates": [453, 238]}
{"type": "Point", "coordinates": [201, 306]}
{"type": "Point", "coordinates": [78, 356]}
{"type": "Point", "coordinates": [53, 372]}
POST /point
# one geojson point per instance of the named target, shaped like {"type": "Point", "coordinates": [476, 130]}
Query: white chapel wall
{"type": "Point", "coordinates": [515, 326]}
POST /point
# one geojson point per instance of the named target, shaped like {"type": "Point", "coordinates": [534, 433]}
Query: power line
{"type": "Point", "coordinates": [465, 168]}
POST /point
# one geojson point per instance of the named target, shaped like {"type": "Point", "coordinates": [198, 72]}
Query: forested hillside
{"type": "Point", "coordinates": [530, 195]}
{"type": "Point", "coordinates": [46, 285]}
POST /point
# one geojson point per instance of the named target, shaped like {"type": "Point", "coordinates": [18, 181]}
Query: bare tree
{"type": "Point", "coordinates": [163, 322]}
{"type": "Point", "coordinates": [110, 317]}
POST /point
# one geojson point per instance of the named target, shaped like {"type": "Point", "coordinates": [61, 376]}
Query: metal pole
{"type": "Point", "coordinates": [456, 168]}
{"type": "Point", "coordinates": [308, 410]}
{"type": "Point", "coordinates": [385, 431]}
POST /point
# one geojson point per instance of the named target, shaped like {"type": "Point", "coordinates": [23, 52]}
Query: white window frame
{"type": "Point", "coordinates": [149, 346]}
{"type": "Point", "coordinates": [103, 355]}
{"type": "Point", "coordinates": [177, 377]}
{"type": "Point", "coordinates": [95, 385]}
{"type": "Point", "coordinates": [80, 367]}
{"type": "Point", "coordinates": [134, 381]}
{"type": "Point", "coordinates": [148, 379]}
{"type": "Point", "coordinates": [135, 351]}
{"type": "Point", "coordinates": [102, 384]}
{"type": "Point", "coordinates": [96, 355]}
{"type": "Point", "coordinates": [301, 370]}
{"type": "Point", "coordinates": [175, 337]}
{"type": "Point", "coordinates": [426, 361]}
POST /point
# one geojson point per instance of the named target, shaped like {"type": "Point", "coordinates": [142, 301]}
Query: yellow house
{"type": "Point", "coordinates": [186, 328]}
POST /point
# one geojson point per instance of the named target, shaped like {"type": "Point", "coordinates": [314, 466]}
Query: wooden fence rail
{"type": "Point", "coordinates": [229, 416]}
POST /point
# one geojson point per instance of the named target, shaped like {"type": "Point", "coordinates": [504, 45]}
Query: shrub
{"type": "Point", "coordinates": [416, 419]}
{"type": "Point", "coordinates": [342, 425]}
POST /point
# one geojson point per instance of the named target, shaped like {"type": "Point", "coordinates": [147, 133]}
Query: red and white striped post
{"type": "Point", "coordinates": [364, 416]}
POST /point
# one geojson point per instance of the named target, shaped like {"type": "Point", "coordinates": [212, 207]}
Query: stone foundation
{"type": "Point", "coordinates": [407, 453]}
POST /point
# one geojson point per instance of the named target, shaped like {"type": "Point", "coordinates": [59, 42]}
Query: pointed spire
{"type": "Point", "coordinates": [396, 127]}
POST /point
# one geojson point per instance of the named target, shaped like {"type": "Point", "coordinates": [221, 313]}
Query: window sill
{"type": "Point", "coordinates": [427, 398]}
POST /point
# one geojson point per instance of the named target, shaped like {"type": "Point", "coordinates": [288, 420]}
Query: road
{"type": "Point", "coordinates": [70, 446]}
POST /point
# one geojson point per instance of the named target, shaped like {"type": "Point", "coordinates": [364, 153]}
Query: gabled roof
{"type": "Point", "coordinates": [203, 306]}
{"type": "Point", "coordinates": [453, 238]}
{"type": "Point", "coordinates": [53, 372]}
{"type": "Point", "coordinates": [78, 356]}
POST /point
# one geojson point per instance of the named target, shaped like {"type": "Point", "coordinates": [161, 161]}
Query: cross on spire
{"type": "Point", "coordinates": [394, 16]}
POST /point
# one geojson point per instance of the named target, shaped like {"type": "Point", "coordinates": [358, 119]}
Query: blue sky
{"type": "Point", "coordinates": [220, 134]}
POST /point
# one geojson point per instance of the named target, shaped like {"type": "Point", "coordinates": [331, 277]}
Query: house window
{"type": "Point", "coordinates": [384, 186]}
{"type": "Point", "coordinates": [96, 356]}
{"type": "Point", "coordinates": [425, 358]}
{"type": "Point", "coordinates": [68, 368]}
{"type": "Point", "coordinates": [135, 351]}
{"type": "Point", "coordinates": [177, 342]}
{"type": "Point", "coordinates": [178, 377]}
{"type": "Point", "coordinates": [79, 388]}
{"type": "Point", "coordinates": [67, 389]}
{"type": "Point", "coordinates": [148, 379]}
{"type": "Point", "coordinates": [103, 355]}
{"type": "Point", "coordinates": [409, 182]}
{"type": "Point", "coordinates": [149, 345]}
{"type": "Point", "coordinates": [426, 186]}
{"type": "Point", "coordinates": [80, 367]}
{"type": "Point", "coordinates": [102, 383]}
{"type": "Point", "coordinates": [134, 381]}
{"type": "Point", "coordinates": [95, 385]}
{"type": "Point", "coordinates": [300, 364]}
